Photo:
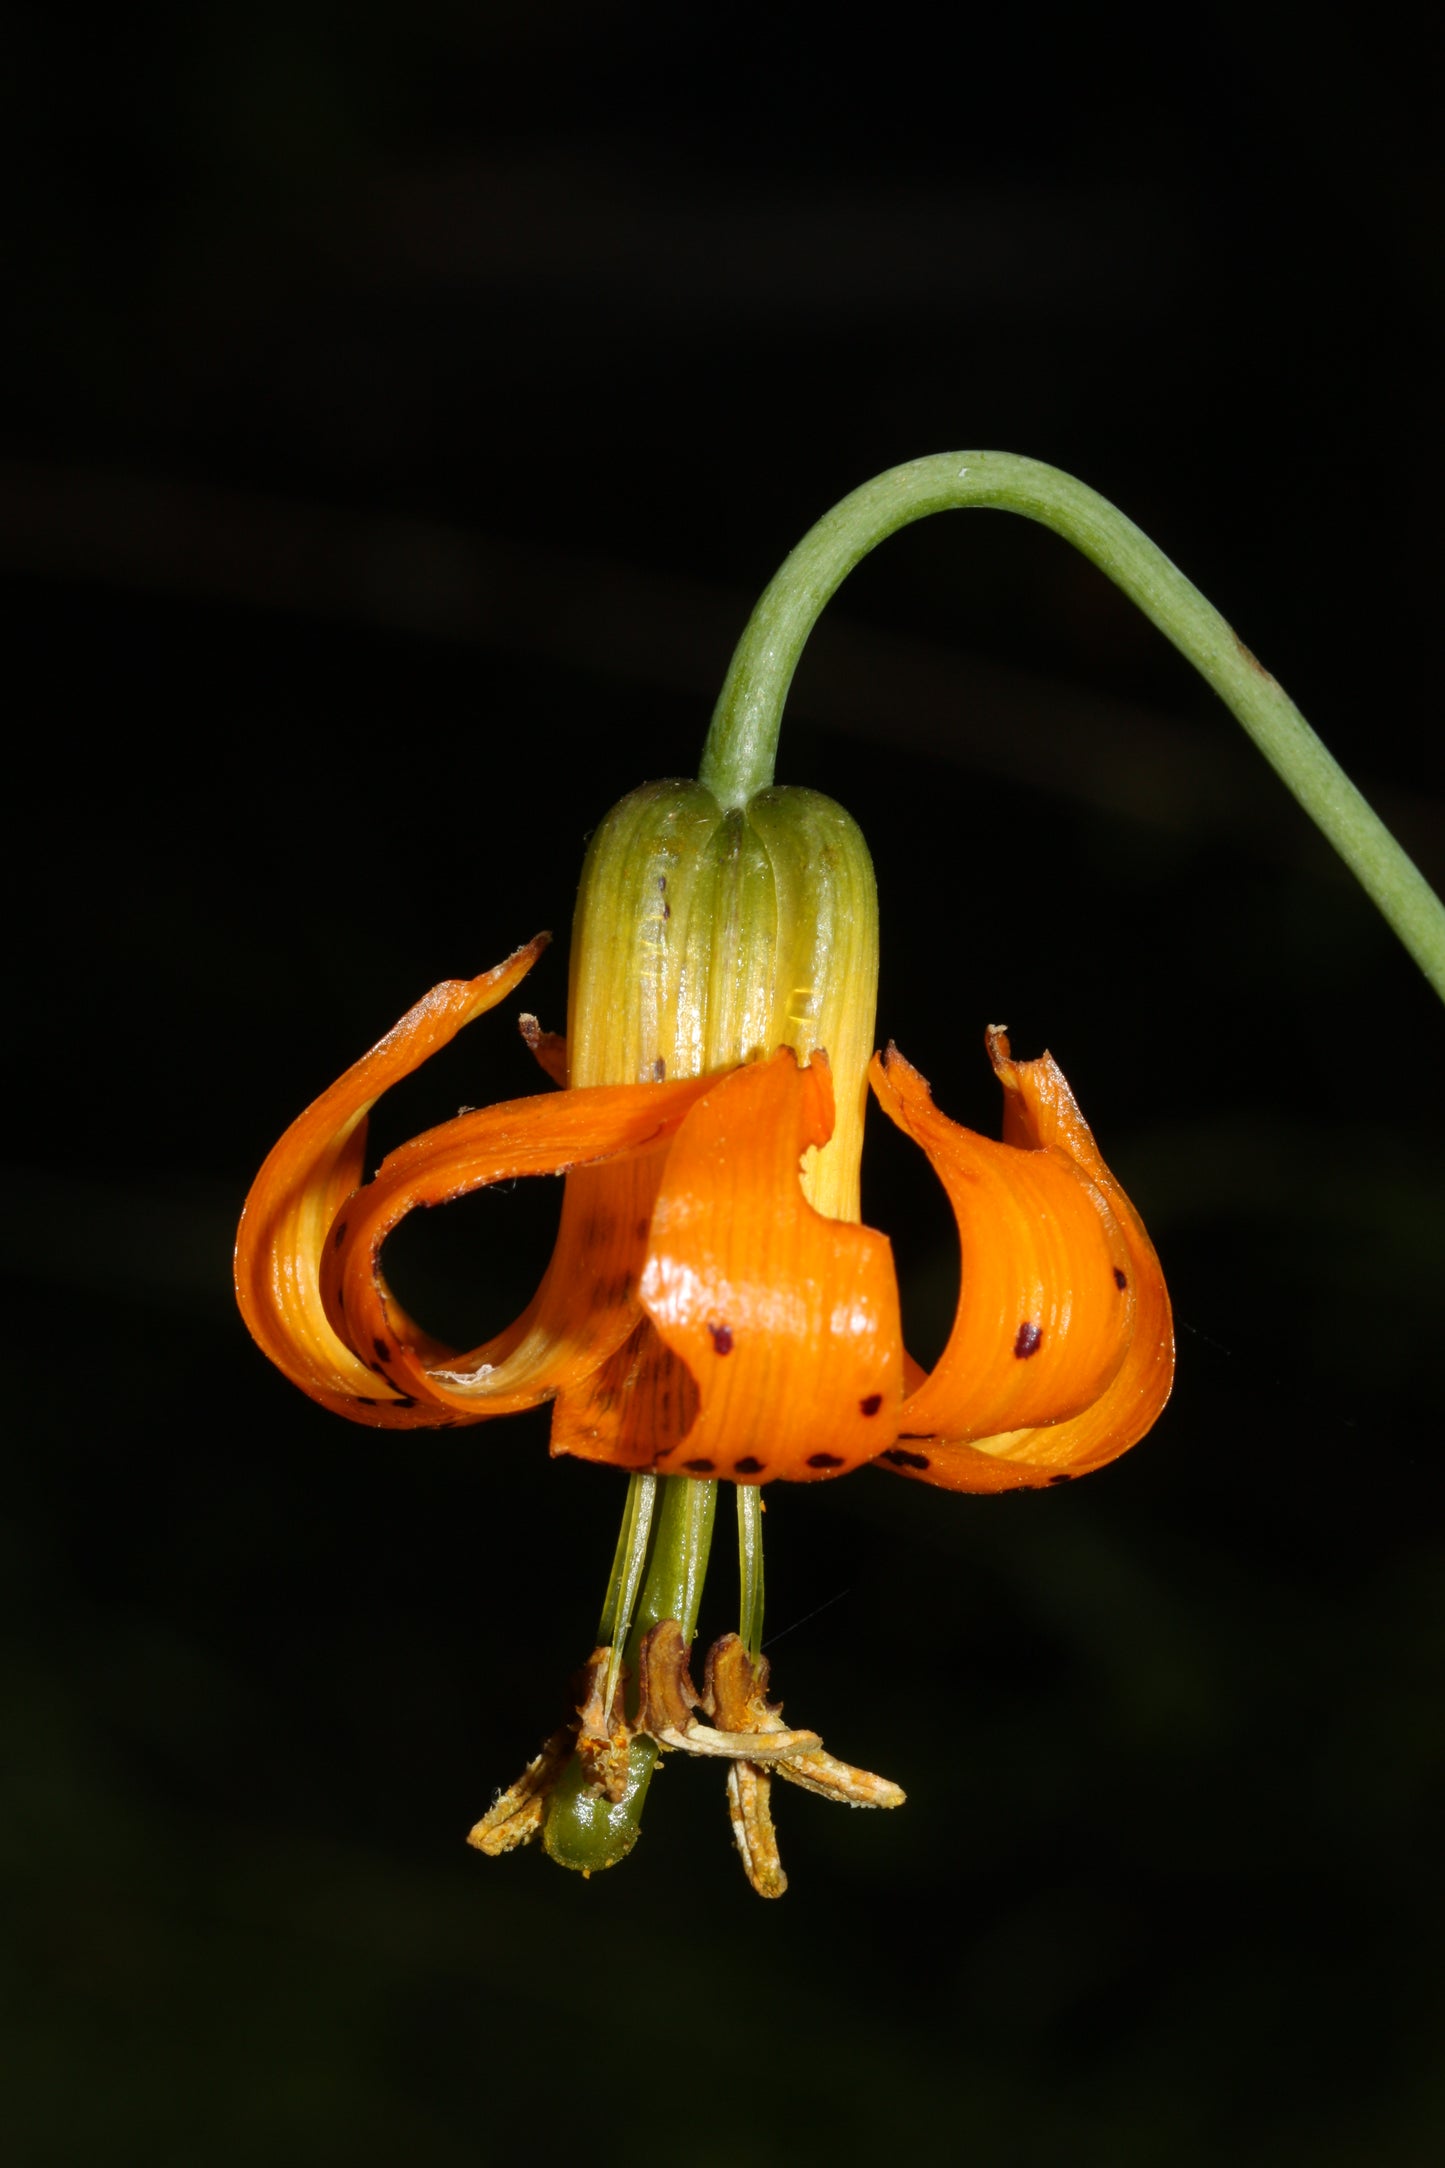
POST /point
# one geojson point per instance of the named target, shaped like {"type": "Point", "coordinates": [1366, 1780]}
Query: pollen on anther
{"type": "Point", "coordinates": [1028, 1340]}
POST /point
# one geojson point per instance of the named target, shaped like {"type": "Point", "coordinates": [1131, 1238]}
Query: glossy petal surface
{"type": "Point", "coordinates": [1068, 1241]}
{"type": "Point", "coordinates": [787, 1321]}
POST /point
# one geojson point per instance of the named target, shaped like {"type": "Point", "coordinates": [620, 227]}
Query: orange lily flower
{"type": "Point", "coordinates": [714, 1310]}
{"type": "Point", "coordinates": [700, 1316]}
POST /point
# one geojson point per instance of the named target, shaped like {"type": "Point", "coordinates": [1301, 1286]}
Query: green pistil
{"type": "Point", "coordinates": [662, 1552]}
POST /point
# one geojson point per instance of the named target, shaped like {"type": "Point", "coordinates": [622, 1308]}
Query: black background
{"type": "Point", "coordinates": [406, 407]}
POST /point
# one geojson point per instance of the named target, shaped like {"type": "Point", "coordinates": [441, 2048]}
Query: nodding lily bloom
{"type": "Point", "coordinates": [713, 1308]}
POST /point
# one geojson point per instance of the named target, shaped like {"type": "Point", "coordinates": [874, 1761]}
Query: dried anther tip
{"type": "Point", "coordinates": [750, 1813]}
{"type": "Point", "coordinates": [515, 1817]}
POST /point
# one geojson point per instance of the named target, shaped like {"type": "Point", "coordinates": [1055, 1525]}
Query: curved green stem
{"type": "Point", "coordinates": [667, 1520]}
{"type": "Point", "coordinates": [738, 758]}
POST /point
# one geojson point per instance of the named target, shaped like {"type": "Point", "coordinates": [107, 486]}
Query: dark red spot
{"type": "Point", "coordinates": [722, 1343]}
{"type": "Point", "coordinates": [659, 1070]}
{"type": "Point", "coordinates": [1059, 1479]}
{"type": "Point", "coordinates": [404, 1400]}
{"type": "Point", "coordinates": [748, 1466]}
{"type": "Point", "coordinates": [382, 1350]}
{"type": "Point", "coordinates": [825, 1460]}
{"type": "Point", "coordinates": [906, 1460]}
{"type": "Point", "coordinates": [363, 1402]}
{"type": "Point", "coordinates": [1120, 1279]}
{"type": "Point", "coordinates": [340, 1236]}
{"type": "Point", "coordinates": [870, 1406]}
{"type": "Point", "coordinates": [1028, 1340]}
{"type": "Point", "coordinates": [699, 1467]}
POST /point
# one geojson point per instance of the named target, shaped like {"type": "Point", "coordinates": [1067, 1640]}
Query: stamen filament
{"type": "Point", "coordinates": [626, 1579]}
{"type": "Point", "coordinates": [750, 1568]}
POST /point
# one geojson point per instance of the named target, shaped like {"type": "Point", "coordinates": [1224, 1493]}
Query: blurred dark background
{"type": "Point", "coordinates": [405, 407]}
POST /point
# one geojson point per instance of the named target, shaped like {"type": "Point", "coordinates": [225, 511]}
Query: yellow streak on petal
{"type": "Point", "coordinates": [308, 1175]}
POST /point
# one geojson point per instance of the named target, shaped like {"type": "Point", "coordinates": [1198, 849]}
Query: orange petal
{"type": "Point", "coordinates": [1044, 1310]}
{"type": "Point", "coordinates": [1042, 1122]}
{"type": "Point", "coordinates": [317, 1163]}
{"type": "Point", "coordinates": [610, 1139]}
{"type": "Point", "coordinates": [631, 1410]}
{"type": "Point", "coordinates": [786, 1320]}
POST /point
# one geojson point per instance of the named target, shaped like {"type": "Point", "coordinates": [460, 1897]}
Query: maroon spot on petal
{"type": "Point", "coordinates": [1028, 1340]}
{"type": "Point", "coordinates": [1053, 1479]}
{"type": "Point", "coordinates": [825, 1460]}
{"type": "Point", "coordinates": [870, 1406]}
{"type": "Point", "coordinates": [363, 1402]}
{"type": "Point", "coordinates": [382, 1350]}
{"type": "Point", "coordinates": [659, 1070]}
{"type": "Point", "coordinates": [722, 1343]}
{"type": "Point", "coordinates": [749, 1466]}
{"type": "Point", "coordinates": [699, 1467]}
{"type": "Point", "coordinates": [906, 1460]}
{"type": "Point", "coordinates": [1120, 1278]}
{"type": "Point", "coordinates": [339, 1237]}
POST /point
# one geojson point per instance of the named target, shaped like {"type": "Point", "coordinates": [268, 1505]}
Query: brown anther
{"type": "Point", "coordinates": [515, 1817]}
{"type": "Point", "coordinates": [735, 1688]}
{"type": "Point", "coordinates": [603, 1735]}
{"type": "Point", "coordinates": [669, 1699]}
{"type": "Point", "coordinates": [666, 1694]}
{"type": "Point", "coordinates": [736, 1693]}
{"type": "Point", "coordinates": [751, 1815]}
